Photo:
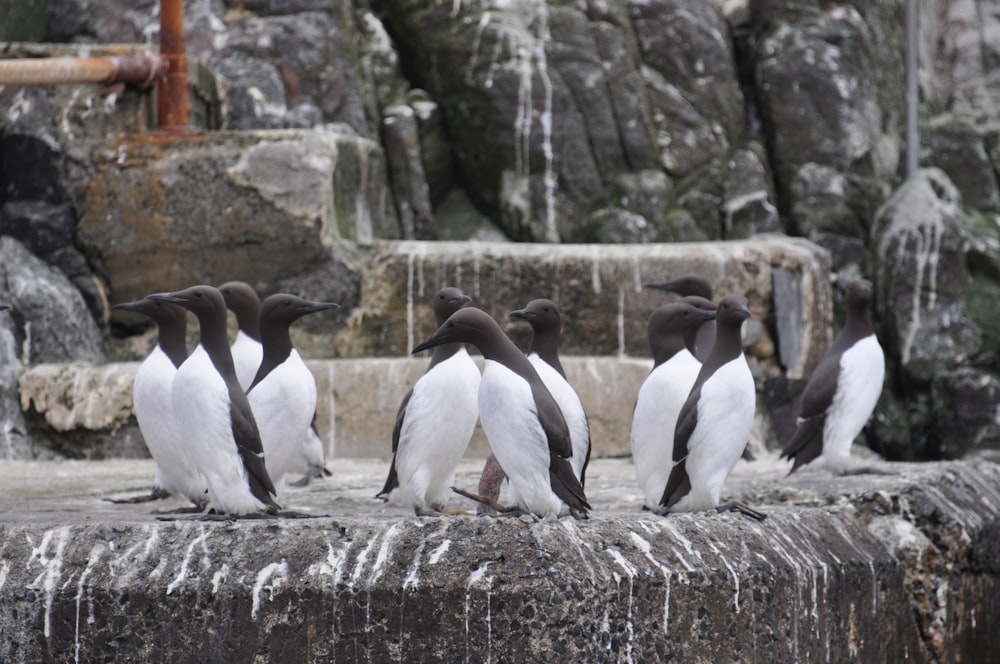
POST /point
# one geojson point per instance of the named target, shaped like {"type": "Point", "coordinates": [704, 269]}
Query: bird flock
{"type": "Point", "coordinates": [227, 423]}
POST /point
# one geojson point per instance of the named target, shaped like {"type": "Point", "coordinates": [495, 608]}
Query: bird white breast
{"type": "Point", "coordinates": [859, 384]}
{"type": "Point", "coordinates": [283, 405]}
{"type": "Point", "coordinates": [247, 354]}
{"type": "Point", "coordinates": [653, 422]}
{"type": "Point", "coordinates": [510, 421]}
{"type": "Point", "coordinates": [725, 417]}
{"type": "Point", "coordinates": [439, 421]}
{"type": "Point", "coordinates": [201, 405]}
{"type": "Point", "coordinates": [569, 403]}
{"type": "Point", "coordinates": [154, 411]}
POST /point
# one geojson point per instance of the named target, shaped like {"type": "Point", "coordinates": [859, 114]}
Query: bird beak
{"type": "Point", "coordinates": [127, 306]}
{"type": "Point", "coordinates": [660, 285]}
{"type": "Point", "coordinates": [523, 314]}
{"type": "Point", "coordinates": [166, 297]}
{"type": "Point", "coordinates": [744, 312]}
{"type": "Point", "coordinates": [435, 340]}
{"type": "Point", "coordinates": [313, 307]}
{"type": "Point", "coordinates": [705, 314]}
{"type": "Point", "coordinates": [465, 299]}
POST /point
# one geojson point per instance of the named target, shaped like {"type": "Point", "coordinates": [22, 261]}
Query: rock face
{"type": "Point", "coordinates": [888, 568]}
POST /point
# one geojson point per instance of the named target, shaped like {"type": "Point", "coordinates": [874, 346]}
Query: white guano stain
{"type": "Point", "coordinates": [186, 561]}
{"type": "Point", "coordinates": [277, 575]}
{"type": "Point", "coordinates": [48, 579]}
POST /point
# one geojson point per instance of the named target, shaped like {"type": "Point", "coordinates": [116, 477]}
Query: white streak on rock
{"type": "Point", "coordinates": [95, 555]}
{"type": "Point", "coordinates": [219, 576]}
{"type": "Point", "coordinates": [277, 574]}
{"type": "Point", "coordinates": [48, 579]}
{"type": "Point", "coordinates": [186, 562]}
{"type": "Point", "coordinates": [438, 552]}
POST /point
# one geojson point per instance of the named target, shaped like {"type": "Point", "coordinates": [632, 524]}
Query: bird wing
{"type": "Point", "coordinates": [400, 416]}
{"type": "Point", "coordinates": [586, 462]}
{"type": "Point", "coordinates": [552, 420]}
{"type": "Point", "coordinates": [251, 450]}
{"type": "Point", "coordinates": [678, 483]}
{"type": "Point", "coordinates": [818, 393]}
{"type": "Point", "coordinates": [687, 420]}
{"type": "Point", "coordinates": [392, 480]}
{"type": "Point", "coordinates": [807, 442]}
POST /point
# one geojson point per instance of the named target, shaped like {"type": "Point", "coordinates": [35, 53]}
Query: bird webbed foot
{"type": "Point", "coordinates": [736, 506]}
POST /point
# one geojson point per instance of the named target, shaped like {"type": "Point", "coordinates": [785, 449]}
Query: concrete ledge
{"type": "Point", "coordinates": [873, 568]}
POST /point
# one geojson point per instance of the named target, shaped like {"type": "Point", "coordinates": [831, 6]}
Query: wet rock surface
{"type": "Point", "coordinates": [862, 568]}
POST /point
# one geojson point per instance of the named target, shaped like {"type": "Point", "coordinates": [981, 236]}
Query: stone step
{"type": "Point", "coordinates": [864, 568]}
{"type": "Point", "coordinates": [599, 289]}
{"type": "Point", "coordinates": [84, 410]}
{"type": "Point", "coordinates": [89, 407]}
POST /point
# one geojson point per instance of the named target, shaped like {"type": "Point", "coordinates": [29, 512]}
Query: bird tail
{"type": "Point", "coordinates": [565, 484]}
{"type": "Point", "coordinates": [806, 443]}
{"type": "Point", "coordinates": [391, 482]}
{"type": "Point", "coordinates": [678, 484]}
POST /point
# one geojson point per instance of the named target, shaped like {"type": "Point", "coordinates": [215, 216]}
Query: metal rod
{"type": "Point", "coordinates": [912, 87]}
{"type": "Point", "coordinates": [136, 68]}
{"type": "Point", "coordinates": [174, 103]}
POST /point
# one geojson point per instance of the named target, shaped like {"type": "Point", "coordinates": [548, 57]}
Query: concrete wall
{"type": "Point", "coordinates": [890, 568]}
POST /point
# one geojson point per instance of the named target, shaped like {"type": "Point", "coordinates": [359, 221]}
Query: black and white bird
{"type": "Point", "coordinates": [842, 392]}
{"type": "Point", "coordinates": [176, 472]}
{"type": "Point", "coordinates": [663, 393]}
{"type": "Point", "coordinates": [693, 285]}
{"type": "Point", "coordinates": [213, 413]}
{"type": "Point", "coordinates": [523, 423]}
{"type": "Point", "coordinates": [247, 350]}
{"type": "Point", "coordinates": [283, 393]}
{"type": "Point", "coordinates": [435, 421]}
{"type": "Point", "coordinates": [715, 421]}
{"type": "Point", "coordinates": [546, 326]}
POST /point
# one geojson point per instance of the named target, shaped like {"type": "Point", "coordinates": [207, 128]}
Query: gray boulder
{"type": "Point", "coordinates": [274, 64]}
{"type": "Point", "coordinates": [965, 405]}
{"type": "Point", "coordinates": [54, 322]}
{"type": "Point", "coordinates": [936, 279]}
{"type": "Point", "coordinates": [958, 146]}
{"type": "Point", "coordinates": [501, 77]}
{"type": "Point", "coordinates": [921, 278]}
{"type": "Point", "coordinates": [829, 79]}
{"type": "Point", "coordinates": [748, 206]}
{"type": "Point", "coordinates": [278, 202]}
{"type": "Point", "coordinates": [48, 322]}
{"type": "Point", "coordinates": [960, 46]}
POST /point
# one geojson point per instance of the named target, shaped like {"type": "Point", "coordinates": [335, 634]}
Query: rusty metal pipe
{"type": "Point", "coordinates": [140, 68]}
{"type": "Point", "coordinates": [174, 103]}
